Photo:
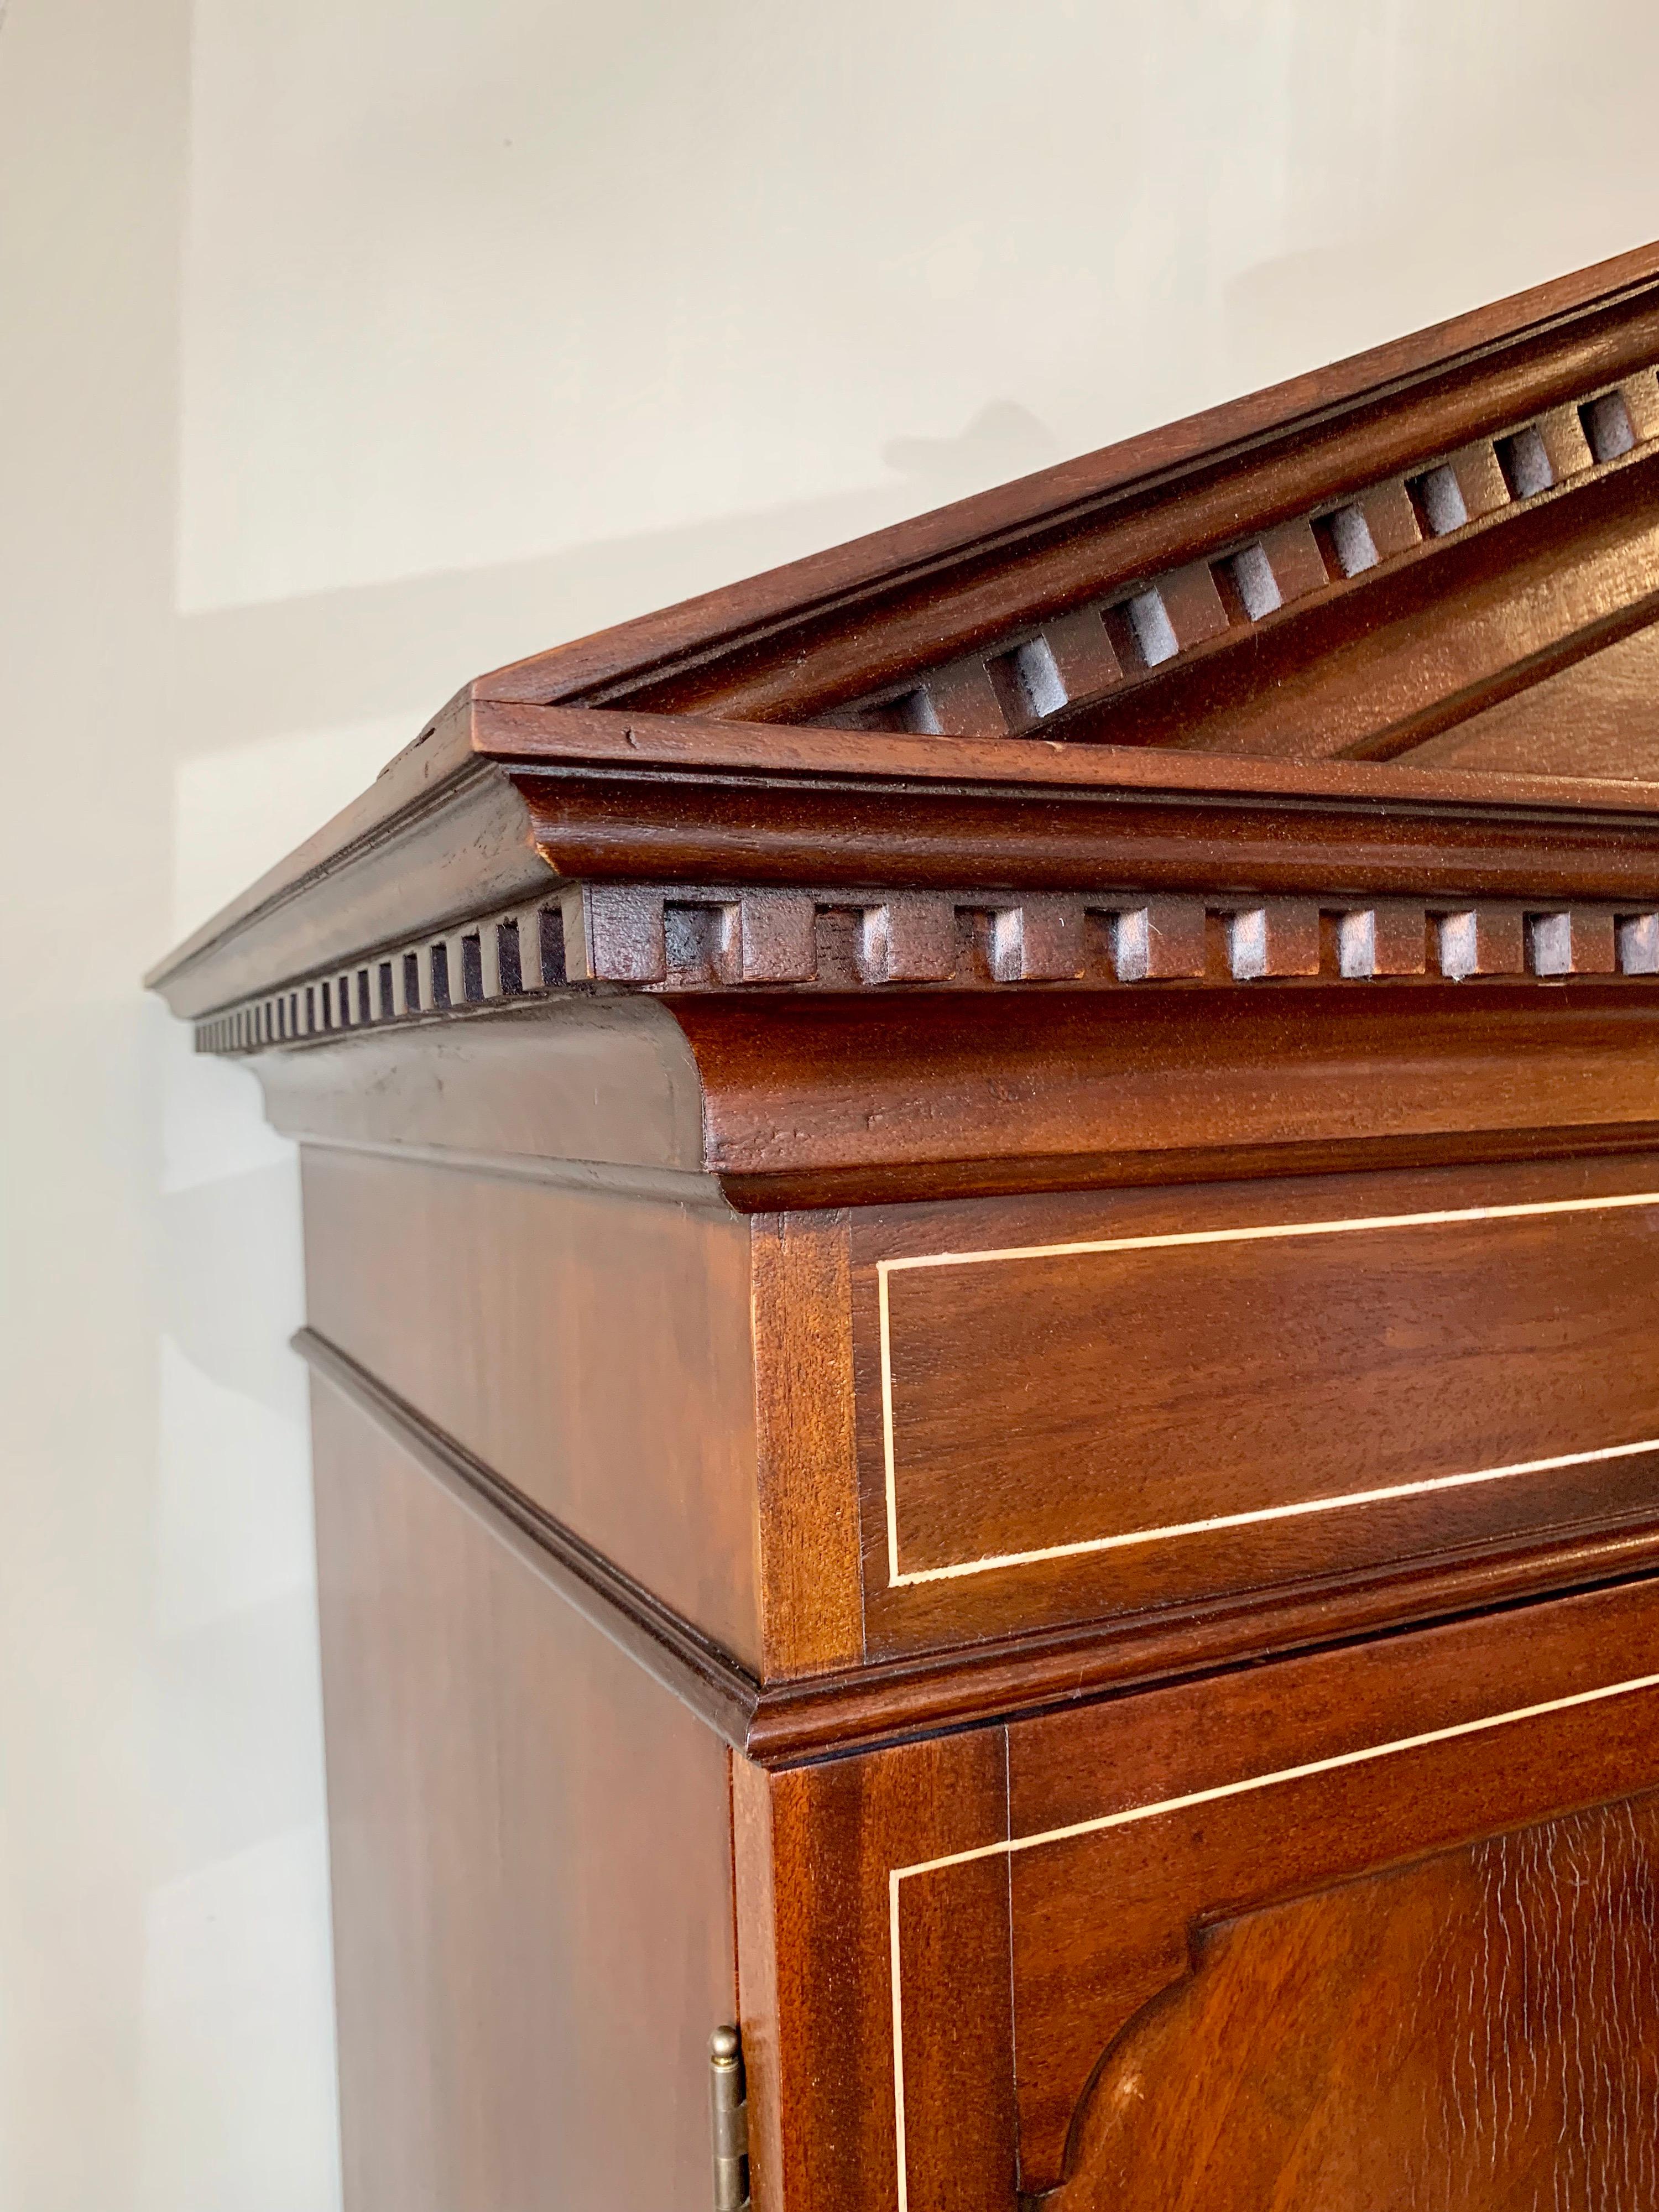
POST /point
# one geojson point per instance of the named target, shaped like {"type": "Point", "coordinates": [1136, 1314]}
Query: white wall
{"type": "Point", "coordinates": [349, 347]}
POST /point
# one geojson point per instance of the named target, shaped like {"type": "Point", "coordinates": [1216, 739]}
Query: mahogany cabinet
{"type": "Point", "coordinates": [982, 1231]}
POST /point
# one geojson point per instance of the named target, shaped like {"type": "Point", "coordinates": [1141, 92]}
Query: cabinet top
{"type": "Point", "coordinates": [1208, 706]}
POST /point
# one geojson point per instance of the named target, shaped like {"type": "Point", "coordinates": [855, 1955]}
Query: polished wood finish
{"type": "Point", "coordinates": [525, 1957]}
{"type": "Point", "coordinates": [818, 631]}
{"type": "Point", "coordinates": [1075, 1408]}
{"type": "Point", "coordinates": [1606, 701]}
{"type": "Point", "coordinates": [1052, 1931]}
{"type": "Point", "coordinates": [790, 1717]}
{"type": "Point", "coordinates": [982, 1232]}
{"type": "Point", "coordinates": [686, 1661]}
{"type": "Point", "coordinates": [1103, 1919]}
{"type": "Point", "coordinates": [811, 1588]}
{"type": "Point", "coordinates": [591, 1347]}
{"type": "Point", "coordinates": [815, 1852]}
{"type": "Point", "coordinates": [1472, 2030]}
{"type": "Point", "coordinates": [919, 1097]}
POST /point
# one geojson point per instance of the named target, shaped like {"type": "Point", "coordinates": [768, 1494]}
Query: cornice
{"type": "Point", "coordinates": [1031, 846]}
{"type": "Point", "coordinates": [1009, 695]}
{"type": "Point", "coordinates": [469, 833]}
{"type": "Point", "coordinates": [665, 939]}
{"type": "Point", "coordinates": [1104, 669]}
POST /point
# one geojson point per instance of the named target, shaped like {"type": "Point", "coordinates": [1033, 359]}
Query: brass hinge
{"type": "Point", "coordinates": [729, 2109]}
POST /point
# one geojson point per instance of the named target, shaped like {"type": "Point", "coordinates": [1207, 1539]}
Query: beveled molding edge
{"type": "Point", "coordinates": [1027, 679]}
{"type": "Point", "coordinates": [853, 623]}
{"type": "Point", "coordinates": [701, 1673]}
{"type": "Point", "coordinates": [791, 1722]}
{"type": "Point", "coordinates": [702, 938]}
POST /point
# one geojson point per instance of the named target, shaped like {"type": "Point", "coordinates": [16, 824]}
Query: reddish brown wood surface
{"type": "Point", "coordinates": [1160, 497]}
{"type": "Point", "coordinates": [607, 795]}
{"type": "Point", "coordinates": [684, 1660]}
{"type": "Point", "coordinates": [812, 1591]}
{"type": "Point", "coordinates": [1605, 708]}
{"type": "Point", "coordinates": [1243, 828]}
{"type": "Point", "coordinates": [920, 1095]}
{"type": "Point", "coordinates": [528, 1958]}
{"type": "Point", "coordinates": [1474, 2032]}
{"type": "Point", "coordinates": [1103, 1922]}
{"type": "Point", "coordinates": [815, 1851]}
{"type": "Point", "coordinates": [776, 805]}
{"type": "Point", "coordinates": [1141, 1423]}
{"type": "Point", "coordinates": [1209, 1937]}
{"type": "Point", "coordinates": [592, 1348]}
{"type": "Point", "coordinates": [1344, 567]}
{"type": "Point", "coordinates": [793, 1717]}
{"type": "Point", "coordinates": [1322, 684]}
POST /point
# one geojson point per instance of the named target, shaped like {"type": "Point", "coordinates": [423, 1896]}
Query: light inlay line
{"type": "Point", "coordinates": [1274, 1513]}
{"type": "Point", "coordinates": [899, 1578]}
{"type": "Point", "coordinates": [1128, 1815]}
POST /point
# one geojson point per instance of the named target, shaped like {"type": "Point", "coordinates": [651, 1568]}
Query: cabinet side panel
{"type": "Point", "coordinates": [531, 1869]}
{"type": "Point", "coordinates": [591, 1346]}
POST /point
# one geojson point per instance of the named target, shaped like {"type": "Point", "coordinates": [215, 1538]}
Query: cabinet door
{"type": "Point", "coordinates": [1374, 1930]}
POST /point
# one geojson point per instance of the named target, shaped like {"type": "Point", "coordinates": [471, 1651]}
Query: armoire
{"type": "Point", "coordinates": [982, 1268]}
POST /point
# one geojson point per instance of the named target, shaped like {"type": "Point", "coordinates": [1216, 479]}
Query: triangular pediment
{"type": "Point", "coordinates": [1293, 760]}
{"type": "Point", "coordinates": [1446, 549]}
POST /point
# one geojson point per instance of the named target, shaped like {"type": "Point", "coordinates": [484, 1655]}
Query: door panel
{"type": "Point", "coordinates": [1369, 1930]}
{"type": "Point", "coordinates": [1471, 2034]}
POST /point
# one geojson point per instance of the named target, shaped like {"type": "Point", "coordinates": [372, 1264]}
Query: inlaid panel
{"type": "Point", "coordinates": [1163, 1400]}
{"type": "Point", "coordinates": [1110, 1912]}
{"type": "Point", "coordinates": [1481, 2030]}
{"type": "Point", "coordinates": [1373, 1931]}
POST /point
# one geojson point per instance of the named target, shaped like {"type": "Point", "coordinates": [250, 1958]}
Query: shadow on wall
{"type": "Point", "coordinates": [299, 665]}
{"type": "Point", "coordinates": [1378, 283]}
{"type": "Point", "coordinates": [1004, 441]}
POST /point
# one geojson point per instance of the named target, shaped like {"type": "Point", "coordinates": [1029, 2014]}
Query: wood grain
{"type": "Point", "coordinates": [1242, 829]}
{"type": "Point", "coordinates": [672, 938]}
{"type": "Point", "coordinates": [783, 1721]}
{"type": "Point", "coordinates": [1133, 1830]}
{"type": "Point", "coordinates": [814, 1970]}
{"type": "Point", "coordinates": [785, 641]}
{"type": "Point", "coordinates": [678, 1656]}
{"type": "Point", "coordinates": [1159, 1401]}
{"type": "Point", "coordinates": [571, 1339]}
{"type": "Point", "coordinates": [1601, 710]}
{"type": "Point", "coordinates": [812, 1585]}
{"type": "Point", "coordinates": [531, 1869]}
{"type": "Point", "coordinates": [603, 797]}
{"type": "Point", "coordinates": [606, 800]}
{"type": "Point", "coordinates": [588, 1085]}
{"type": "Point", "coordinates": [1337, 567]}
{"type": "Point", "coordinates": [1370, 1774]}
{"type": "Point", "coordinates": [1473, 2033]}
{"type": "Point", "coordinates": [1039, 1408]}
{"type": "Point", "coordinates": [1447, 629]}
{"type": "Point", "coordinates": [859, 1099]}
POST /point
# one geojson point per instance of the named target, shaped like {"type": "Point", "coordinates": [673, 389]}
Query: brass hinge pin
{"type": "Point", "coordinates": [729, 2112]}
